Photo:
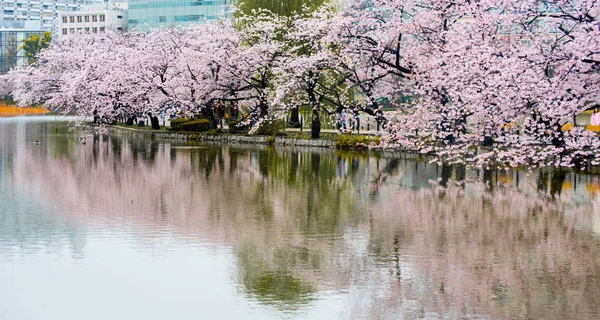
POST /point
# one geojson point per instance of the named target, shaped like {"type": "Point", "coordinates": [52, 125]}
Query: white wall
{"type": "Point", "coordinates": [113, 19]}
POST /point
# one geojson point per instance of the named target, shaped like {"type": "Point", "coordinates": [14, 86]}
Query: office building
{"type": "Point", "coordinates": [147, 14]}
{"type": "Point", "coordinates": [45, 11]}
{"type": "Point", "coordinates": [11, 40]}
{"type": "Point", "coordinates": [93, 19]}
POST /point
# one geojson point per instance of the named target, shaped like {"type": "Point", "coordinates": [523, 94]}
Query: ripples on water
{"type": "Point", "coordinates": [129, 229]}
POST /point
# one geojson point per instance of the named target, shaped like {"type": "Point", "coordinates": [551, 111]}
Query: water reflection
{"type": "Point", "coordinates": [298, 232]}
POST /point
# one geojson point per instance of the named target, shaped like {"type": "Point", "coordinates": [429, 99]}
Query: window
{"type": "Point", "coordinates": [162, 19]}
{"type": "Point", "coordinates": [87, 29]}
{"type": "Point", "coordinates": [101, 29]}
{"type": "Point", "coordinates": [87, 18]}
{"type": "Point", "coordinates": [94, 29]}
{"type": "Point", "coordinates": [64, 19]}
{"type": "Point", "coordinates": [101, 17]}
{"type": "Point", "coordinates": [72, 30]}
{"type": "Point", "coordinates": [119, 17]}
{"type": "Point", "coordinates": [120, 29]}
{"type": "Point", "coordinates": [78, 30]}
{"type": "Point", "coordinates": [78, 18]}
{"type": "Point", "coordinates": [72, 19]}
{"type": "Point", "coordinates": [94, 18]}
{"type": "Point", "coordinates": [65, 31]}
{"type": "Point", "coordinates": [194, 17]}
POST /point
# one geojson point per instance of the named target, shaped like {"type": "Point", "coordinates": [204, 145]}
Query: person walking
{"type": "Point", "coordinates": [343, 119]}
{"type": "Point", "coordinates": [595, 121]}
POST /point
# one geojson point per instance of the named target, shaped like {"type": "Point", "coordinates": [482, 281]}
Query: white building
{"type": "Point", "coordinates": [45, 11]}
{"type": "Point", "coordinates": [93, 19]}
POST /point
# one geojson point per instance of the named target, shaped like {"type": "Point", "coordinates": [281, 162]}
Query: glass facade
{"type": "Point", "coordinates": [11, 41]}
{"type": "Point", "coordinates": [146, 14]}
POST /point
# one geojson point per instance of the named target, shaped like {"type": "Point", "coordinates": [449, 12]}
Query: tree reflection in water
{"type": "Point", "coordinates": [394, 237]}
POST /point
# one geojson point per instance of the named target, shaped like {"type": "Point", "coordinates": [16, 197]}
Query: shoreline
{"type": "Point", "coordinates": [283, 141]}
{"type": "Point", "coordinates": [222, 137]}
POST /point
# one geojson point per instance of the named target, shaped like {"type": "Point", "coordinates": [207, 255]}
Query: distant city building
{"type": "Point", "coordinates": [146, 14]}
{"type": "Point", "coordinates": [11, 41]}
{"type": "Point", "coordinates": [45, 11]}
{"type": "Point", "coordinates": [93, 19]}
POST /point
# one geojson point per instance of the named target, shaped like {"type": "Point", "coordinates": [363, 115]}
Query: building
{"type": "Point", "coordinates": [146, 14]}
{"type": "Point", "coordinates": [11, 40]}
{"type": "Point", "coordinates": [45, 11]}
{"type": "Point", "coordinates": [93, 19]}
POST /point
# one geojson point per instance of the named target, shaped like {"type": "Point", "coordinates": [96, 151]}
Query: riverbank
{"type": "Point", "coordinates": [328, 140]}
{"type": "Point", "coordinates": [357, 142]}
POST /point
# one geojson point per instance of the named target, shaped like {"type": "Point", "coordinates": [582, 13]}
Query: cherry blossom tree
{"type": "Point", "coordinates": [261, 51]}
{"type": "Point", "coordinates": [308, 75]}
{"type": "Point", "coordinates": [490, 81]}
{"type": "Point", "coordinates": [477, 68]}
{"type": "Point", "coordinates": [6, 84]}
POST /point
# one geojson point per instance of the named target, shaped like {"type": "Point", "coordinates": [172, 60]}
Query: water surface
{"type": "Point", "coordinates": [122, 228]}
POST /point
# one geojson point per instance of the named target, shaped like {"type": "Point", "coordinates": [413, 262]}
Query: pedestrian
{"type": "Point", "coordinates": [356, 120]}
{"type": "Point", "coordinates": [595, 121]}
{"type": "Point", "coordinates": [343, 120]}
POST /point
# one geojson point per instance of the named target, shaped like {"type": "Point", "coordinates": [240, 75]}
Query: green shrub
{"type": "Point", "coordinates": [175, 123]}
{"type": "Point", "coordinates": [271, 128]}
{"type": "Point", "coordinates": [236, 127]}
{"type": "Point", "coordinates": [345, 141]}
{"type": "Point", "coordinates": [195, 125]}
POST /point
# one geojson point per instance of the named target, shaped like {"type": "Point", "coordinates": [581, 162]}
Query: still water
{"type": "Point", "coordinates": [122, 228]}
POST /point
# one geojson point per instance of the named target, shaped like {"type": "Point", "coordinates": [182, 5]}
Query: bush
{"type": "Point", "coordinates": [356, 142]}
{"type": "Point", "coordinates": [175, 123]}
{"type": "Point", "coordinates": [271, 128]}
{"type": "Point", "coordinates": [236, 127]}
{"type": "Point", "coordinates": [195, 125]}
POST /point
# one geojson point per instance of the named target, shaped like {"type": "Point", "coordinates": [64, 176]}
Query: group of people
{"type": "Point", "coordinates": [348, 121]}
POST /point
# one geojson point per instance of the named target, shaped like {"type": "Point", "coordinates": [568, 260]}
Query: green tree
{"type": "Point", "coordinates": [280, 7]}
{"type": "Point", "coordinates": [34, 44]}
{"type": "Point", "coordinates": [283, 8]}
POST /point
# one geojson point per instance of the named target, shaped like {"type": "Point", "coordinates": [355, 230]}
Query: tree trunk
{"type": "Point", "coordinates": [154, 122]}
{"type": "Point", "coordinates": [488, 141]}
{"type": "Point", "coordinates": [209, 115]}
{"type": "Point", "coordinates": [294, 118]}
{"type": "Point", "coordinates": [263, 107]}
{"type": "Point", "coordinates": [315, 129]}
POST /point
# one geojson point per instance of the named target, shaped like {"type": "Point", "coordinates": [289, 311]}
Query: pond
{"type": "Point", "coordinates": [122, 228]}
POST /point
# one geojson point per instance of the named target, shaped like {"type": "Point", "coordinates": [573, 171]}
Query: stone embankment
{"type": "Point", "coordinates": [223, 138]}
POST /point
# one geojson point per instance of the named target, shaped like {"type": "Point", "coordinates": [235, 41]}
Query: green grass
{"type": "Point", "coordinates": [357, 142]}
{"type": "Point", "coordinates": [305, 135]}
{"type": "Point", "coordinates": [136, 127]}
{"type": "Point", "coordinates": [349, 140]}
